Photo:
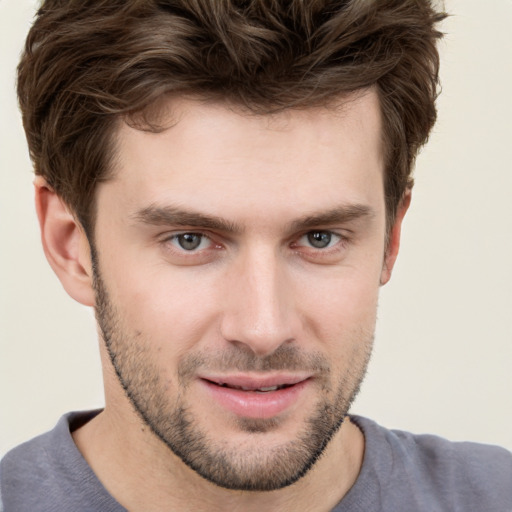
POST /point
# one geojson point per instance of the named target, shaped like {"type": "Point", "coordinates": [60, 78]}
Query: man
{"type": "Point", "coordinates": [225, 184]}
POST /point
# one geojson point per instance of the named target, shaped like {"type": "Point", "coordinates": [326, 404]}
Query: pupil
{"type": "Point", "coordinates": [189, 241]}
{"type": "Point", "coordinates": [319, 239]}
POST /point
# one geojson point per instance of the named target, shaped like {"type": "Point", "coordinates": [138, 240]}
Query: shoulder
{"type": "Point", "coordinates": [451, 475]}
{"type": "Point", "coordinates": [25, 473]}
{"type": "Point", "coordinates": [34, 457]}
{"type": "Point", "coordinates": [28, 461]}
{"type": "Point", "coordinates": [49, 473]}
{"type": "Point", "coordinates": [476, 463]}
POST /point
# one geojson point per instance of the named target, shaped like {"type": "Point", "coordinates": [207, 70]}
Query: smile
{"type": "Point", "coordinates": [257, 390]}
{"type": "Point", "coordinates": [251, 397]}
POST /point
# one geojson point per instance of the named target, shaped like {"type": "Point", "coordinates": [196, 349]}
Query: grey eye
{"type": "Point", "coordinates": [319, 239]}
{"type": "Point", "coordinates": [189, 241]}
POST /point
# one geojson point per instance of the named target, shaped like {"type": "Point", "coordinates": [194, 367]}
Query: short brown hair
{"type": "Point", "coordinates": [88, 63]}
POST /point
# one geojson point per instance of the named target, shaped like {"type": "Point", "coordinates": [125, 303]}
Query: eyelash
{"type": "Point", "coordinates": [322, 232]}
{"type": "Point", "coordinates": [176, 237]}
{"type": "Point", "coordinates": [172, 241]}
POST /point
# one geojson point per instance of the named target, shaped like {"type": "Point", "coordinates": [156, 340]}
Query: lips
{"type": "Point", "coordinates": [256, 390]}
{"type": "Point", "coordinates": [254, 396]}
{"type": "Point", "coordinates": [257, 383]}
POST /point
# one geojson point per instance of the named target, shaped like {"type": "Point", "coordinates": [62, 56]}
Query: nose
{"type": "Point", "coordinates": [259, 310]}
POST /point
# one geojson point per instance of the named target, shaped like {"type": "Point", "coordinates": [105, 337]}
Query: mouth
{"type": "Point", "coordinates": [254, 396]}
{"type": "Point", "coordinates": [262, 389]}
{"type": "Point", "coordinates": [257, 383]}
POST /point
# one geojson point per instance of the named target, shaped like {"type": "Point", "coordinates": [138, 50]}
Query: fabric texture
{"type": "Point", "coordinates": [49, 474]}
{"type": "Point", "coordinates": [403, 472]}
{"type": "Point", "coordinates": [400, 472]}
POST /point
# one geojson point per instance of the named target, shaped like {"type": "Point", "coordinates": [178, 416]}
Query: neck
{"type": "Point", "coordinates": [141, 473]}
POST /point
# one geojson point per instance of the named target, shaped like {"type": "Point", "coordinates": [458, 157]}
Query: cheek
{"type": "Point", "coordinates": [165, 307]}
{"type": "Point", "coordinates": [342, 310]}
{"type": "Point", "coordinates": [347, 330]}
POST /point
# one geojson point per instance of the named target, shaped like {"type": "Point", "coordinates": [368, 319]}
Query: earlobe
{"type": "Point", "coordinates": [65, 244]}
{"type": "Point", "coordinates": [393, 245]}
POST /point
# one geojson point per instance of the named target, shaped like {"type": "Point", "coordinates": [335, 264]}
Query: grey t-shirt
{"type": "Point", "coordinates": [400, 472]}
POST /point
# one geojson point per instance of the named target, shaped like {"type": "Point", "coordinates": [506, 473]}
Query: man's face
{"type": "Point", "coordinates": [238, 265]}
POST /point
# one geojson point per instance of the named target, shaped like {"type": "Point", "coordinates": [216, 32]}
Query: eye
{"type": "Point", "coordinates": [319, 239]}
{"type": "Point", "coordinates": [190, 241]}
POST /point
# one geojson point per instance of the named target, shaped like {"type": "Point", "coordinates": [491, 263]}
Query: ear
{"type": "Point", "coordinates": [65, 244]}
{"type": "Point", "coordinates": [394, 239]}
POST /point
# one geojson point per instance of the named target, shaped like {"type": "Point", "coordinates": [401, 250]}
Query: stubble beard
{"type": "Point", "coordinates": [226, 465]}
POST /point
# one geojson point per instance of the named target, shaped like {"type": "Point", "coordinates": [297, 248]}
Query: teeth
{"type": "Point", "coordinates": [271, 388]}
{"type": "Point", "coordinates": [260, 390]}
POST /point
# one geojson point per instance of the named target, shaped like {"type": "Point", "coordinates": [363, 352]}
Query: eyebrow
{"type": "Point", "coordinates": [175, 216]}
{"type": "Point", "coordinates": [340, 215]}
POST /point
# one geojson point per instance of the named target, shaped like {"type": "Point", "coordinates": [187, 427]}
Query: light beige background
{"type": "Point", "coordinates": [442, 362]}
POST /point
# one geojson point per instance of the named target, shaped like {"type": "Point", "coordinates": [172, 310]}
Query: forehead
{"type": "Point", "coordinates": [215, 156]}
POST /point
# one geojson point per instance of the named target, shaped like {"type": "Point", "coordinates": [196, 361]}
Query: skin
{"type": "Point", "coordinates": [255, 299]}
